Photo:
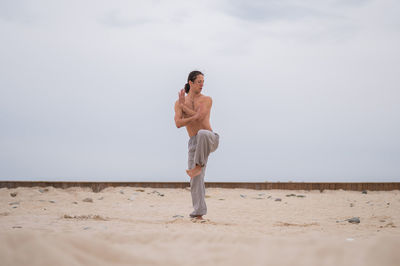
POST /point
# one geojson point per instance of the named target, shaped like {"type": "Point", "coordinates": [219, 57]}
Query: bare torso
{"type": "Point", "coordinates": [193, 127]}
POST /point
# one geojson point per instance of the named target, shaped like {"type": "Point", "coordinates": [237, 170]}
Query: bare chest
{"type": "Point", "coordinates": [192, 104]}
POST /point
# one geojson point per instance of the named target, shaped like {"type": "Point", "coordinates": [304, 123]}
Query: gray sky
{"type": "Point", "coordinates": [302, 90]}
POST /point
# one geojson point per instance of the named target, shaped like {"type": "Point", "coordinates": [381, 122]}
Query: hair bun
{"type": "Point", "coordinates": [187, 87]}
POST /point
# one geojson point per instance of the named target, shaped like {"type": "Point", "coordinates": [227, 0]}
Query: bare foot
{"type": "Point", "coordinates": [194, 172]}
{"type": "Point", "coordinates": [198, 217]}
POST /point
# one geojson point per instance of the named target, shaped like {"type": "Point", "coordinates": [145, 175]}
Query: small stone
{"type": "Point", "coordinates": [278, 199]}
{"type": "Point", "coordinates": [291, 195]}
{"type": "Point", "coordinates": [14, 203]}
{"type": "Point", "coordinates": [243, 196]}
{"type": "Point", "coordinates": [261, 194]}
{"type": "Point", "coordinates": [354, 220]}
{"type": "Point", "coordinates": [52, 201]}
{"type": "Point", "coordinates": [177, 216]}
{"type": "Point", "coordinates": [74, 202]}
{"type": "Point", "coordinates": [14, 207]}
{"type": "Point", "coordinates": [351, 205]}
{"type": "Point", "coordinates": [208, 196]}
{"type": "Point", "coordinates": [269, 197]}
{"type": "Point", "coordinates": [161, 195]}
{"type": "Point", "coordinates": [101, 198]}
{"type": "Point", "coordinates": [382, 220]}
{"type": "Point", "coordinates": [42, 190]}
{"type": "Point", "coordinates": [364, 192]}
{"type": "Point", "coordinates": [121, 191]}
{"type": "Point", "coordinates": [86, 228]}
{"type": "Point", "coordinates": [13, 194]}
{"type": "Point", "coordinates": [388, 203]}
{"type": "Point", "coordinates": [391, 224]}
{"type": "Point", "coordinates": [88, 200]}
{"type": "Point", "coordinates": [17, 226]}
{"type": "Point", "coordinates": [140, 190]}
{"type": "Point", "coordinates": [221, 199]}
{"type": "Point", "coordinates": [301, 196]}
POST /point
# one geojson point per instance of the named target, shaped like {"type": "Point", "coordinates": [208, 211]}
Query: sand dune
{"type": "Point", "coordinates": [135, 226]}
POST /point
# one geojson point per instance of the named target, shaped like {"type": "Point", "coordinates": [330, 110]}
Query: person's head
{"type": "Point", "coordinates": [195, 82]}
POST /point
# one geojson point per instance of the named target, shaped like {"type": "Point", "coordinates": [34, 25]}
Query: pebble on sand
{"type": "Point", "coordinates": [354, 220]}
{"type": "Point", "coordinates": [87, 200]}
{"type": "Point", "coordinates": [13, 194]}
{"type": "Point", "coordinates": [14, 203]}
{"type": "Point", "coordinates": [42, 190]}
{"type": "Point", "coordinates": [278, 199]}
{"type": "Point", "coordinates": [158, 193]}
{"type": "Point", "coordinates": [364, 192]}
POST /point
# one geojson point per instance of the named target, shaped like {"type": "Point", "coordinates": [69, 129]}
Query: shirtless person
{"type": "Point", "coordinates": [193, 111]}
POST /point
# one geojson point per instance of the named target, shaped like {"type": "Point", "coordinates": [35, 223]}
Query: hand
{"type": "Point", "coordinates": [181, 95]}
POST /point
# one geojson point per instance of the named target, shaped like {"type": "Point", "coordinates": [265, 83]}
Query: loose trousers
{"type": "Point", "coordinates": [200, 146]}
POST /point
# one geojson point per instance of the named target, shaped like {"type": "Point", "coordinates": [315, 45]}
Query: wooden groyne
{"type": "Point", "coordinates": [98, 186]}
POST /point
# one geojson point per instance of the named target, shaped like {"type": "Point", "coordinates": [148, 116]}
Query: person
{"type": "Point", "coordinates": [193, 112]}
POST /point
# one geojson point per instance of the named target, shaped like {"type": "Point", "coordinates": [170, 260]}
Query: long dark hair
{"type": "Point", "coordinates": [192, 77]}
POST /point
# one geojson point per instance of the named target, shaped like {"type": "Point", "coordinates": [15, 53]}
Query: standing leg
{"type": "Point", "coordinates": [197, 187]}
{"type": "Point", "coordinates": [198, 191]}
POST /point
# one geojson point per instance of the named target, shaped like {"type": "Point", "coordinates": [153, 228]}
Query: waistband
{"type": "Point", "coordinates": [194, 137]}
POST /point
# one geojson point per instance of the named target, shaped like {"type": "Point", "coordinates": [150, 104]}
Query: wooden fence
{"type": "Point", "coordinates": [98, 186]}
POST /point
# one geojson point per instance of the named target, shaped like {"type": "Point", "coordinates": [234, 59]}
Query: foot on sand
{"type": "Point", "coordinates": [194, 171]}
{"type": "Point", "coordinates": [198, 219]}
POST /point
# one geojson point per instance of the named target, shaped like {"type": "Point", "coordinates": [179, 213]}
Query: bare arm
{"type": "Point", "coordinates": [179, 120]}
{"type": "Point", "coordinates": [186, 109]}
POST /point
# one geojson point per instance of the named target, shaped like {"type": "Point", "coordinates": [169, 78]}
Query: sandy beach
{"type": "Point", "coordinates": [146, 226]}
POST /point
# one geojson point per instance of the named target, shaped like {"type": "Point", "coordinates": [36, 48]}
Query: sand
{"type": "Point", "coordinates": [146, 226]}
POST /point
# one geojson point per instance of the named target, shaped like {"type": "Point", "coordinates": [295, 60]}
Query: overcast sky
{"type": "Point", "coordinates": [303, 90]}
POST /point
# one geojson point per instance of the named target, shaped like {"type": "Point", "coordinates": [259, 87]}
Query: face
{"type": "Point", "coordinates": [197, 85]}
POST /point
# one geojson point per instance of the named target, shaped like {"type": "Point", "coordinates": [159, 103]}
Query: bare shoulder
{"type": "Point", "coordinates": [206, 99]}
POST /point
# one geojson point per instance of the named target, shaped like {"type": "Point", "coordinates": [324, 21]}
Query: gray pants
{"type": "Point", "coordinates": [200, 146]}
